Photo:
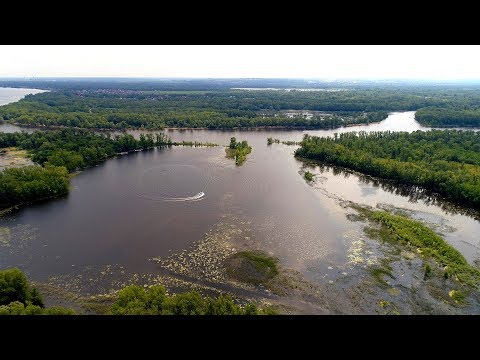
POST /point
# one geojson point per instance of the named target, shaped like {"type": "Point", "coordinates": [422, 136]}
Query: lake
{"type": "Point", "coordinates": [9, 95]}
{"type": "Point", "coordinates": [119, 216]}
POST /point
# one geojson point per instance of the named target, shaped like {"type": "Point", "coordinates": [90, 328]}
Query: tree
{"type": "Point", "coordinates": [233, 143]}
{"type": "Point", "coordinates": [14, 287]}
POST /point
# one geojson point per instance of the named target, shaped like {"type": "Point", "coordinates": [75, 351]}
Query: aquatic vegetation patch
{"type": "Point", "coordinates": [399, 229]}
{"type": "Point", "coordinates": [252, 267]}
{"type": "Point", "coordinates": [388, 307]}
{"type": "Point", "coordinates": [5, 236]}
{"type": "Point", "coordinates": [379, 274]}
{"type": "Point", "coordinates": [457, 296]}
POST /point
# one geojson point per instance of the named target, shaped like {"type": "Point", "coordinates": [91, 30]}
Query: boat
{"type": "Point", "coordinates": [198, 196]}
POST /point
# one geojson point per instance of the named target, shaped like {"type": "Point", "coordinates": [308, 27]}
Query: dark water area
{"type": "Point", "coordinates": [121, 212]}
{"type": "Point", "coordinates": [117, 213]}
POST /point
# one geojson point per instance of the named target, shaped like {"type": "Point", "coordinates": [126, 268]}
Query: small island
{"type": "Point", "coordinates": [308, 176]}
{"type": "Point", "coordinates": [238, 151]}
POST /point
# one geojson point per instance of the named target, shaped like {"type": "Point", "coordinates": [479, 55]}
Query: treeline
{"type": "Point", "coordinates": [61, 152]}
{"type": "Point", "coordinates": [226, 109]}
{"type": "Point", "coordinates": [447, 161]}
{"type": "Point", "coordinates": [136, 300]}
{"type": "Point", "coordinates": [76, 148]}
{"type": "Point", "coordinates": [103, 104]}
{"type": "Point", "coordinates": [18, 298]}
{"type": "Point", "coordinates": [212, 110]}
{"type": "Point", "coordinates": [143, 84]}
{"type": "Point", "coordinates": [30, 183]}
{"type": "Point", "coordinates": [448, 117]}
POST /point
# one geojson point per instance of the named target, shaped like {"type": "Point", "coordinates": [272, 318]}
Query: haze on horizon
{"type": "Point", "coordinates": [429, 62]}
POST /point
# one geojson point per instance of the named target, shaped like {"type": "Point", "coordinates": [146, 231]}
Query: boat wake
{"type": "Point", "coordinates": [195, 197]}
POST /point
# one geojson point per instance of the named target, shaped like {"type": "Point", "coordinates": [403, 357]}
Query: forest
{"type": "Point", "coordinates": [123, 109]}
{"type": "Point", "coordinates": [469, 116]}
{"type": "Point", "coordinates": [25, 184]}
{"type": "Point", "coordinates": [447, 162]}
{"type": "Point", "coordinates": [226, 103]}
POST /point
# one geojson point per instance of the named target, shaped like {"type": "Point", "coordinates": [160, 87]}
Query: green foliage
{"type": "Point", "coordinates": [452, 116]}
{"type": "Point", "coordinates": [136, 300]}
{"type": "Point", "coordinates": [59, 151]}
{"type": "Point", "coordinates": [252, 267]}
{"type": "Point", "coordinates": [69, 159]}
{"type": "Point", "coordinates": [445, 161]}
{"type": "Point", "coordinates": [17, 308]}
{"type": "Point", "coordinates": [308, 176]}
{"type": "Point", "coordinates": [428, 271]}
{"type": "Point", "coordinates": [428, 243]}
{"type": "Point", "coordinates": [271, 141]}
{"type": "Point", "coordinates": [17, 298]}
{"type": "Point", "coordinates": [261, 261]}
{"type": "Point", "coordinates": [13, 287]}
{"type": "Point", "coordinates": [214, 104]}
{"type": "Point", "coordinates": [36, 298]}
{"type": "Point", "coordinates": [30, 183]}
{"type": "Point", "coordinates": [119, 109]}
{"type": "Point", "coordinates": [378, 273]}
{"type": "Point", "coordinates": [233, 143]}
{"type": "Point", "coordinates": [238, 151]}
{"type": "Point", "coordinates": [457, 296]}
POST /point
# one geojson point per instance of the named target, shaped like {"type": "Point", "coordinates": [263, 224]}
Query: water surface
{"type": "Point", "coordinates": [117, 213]}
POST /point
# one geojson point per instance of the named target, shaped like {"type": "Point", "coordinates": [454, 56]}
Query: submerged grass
{"type": "Point", "coordinates": [458, 297]}
{"type": "Point", "coordinates": [411, 232]}
{"type": "Point", "coordinates": [252, 267]}
{"type": "Point", "coordinates": [379, 273]}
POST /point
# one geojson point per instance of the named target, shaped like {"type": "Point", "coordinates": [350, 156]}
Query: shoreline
{"type": "Point", "coordinates": [249, 128]}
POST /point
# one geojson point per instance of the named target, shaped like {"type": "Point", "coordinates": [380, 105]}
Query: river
{"type": "Point", "coordinates": [116, 218]}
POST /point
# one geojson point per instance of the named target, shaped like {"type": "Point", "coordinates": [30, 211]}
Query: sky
{"type": "Point", "coordinates": [436, 62]}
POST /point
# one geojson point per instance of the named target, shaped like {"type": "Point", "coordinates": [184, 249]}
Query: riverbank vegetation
{"type": "Point", "coordinates": [17, 297]}
{"type": "Point", "coordinates": [447, 162]}
{"type": "Point", "coordinates": [449, 117]}
{"type": "Point", "coordinates": [412, 233]}
{"type": "Point", "coordinates": [238, 151]}
{"type": "Point", "coordinates": [136, 300]}
{"type": "Point", "coordinates": [271, 141]}
{"type": "Point", "coordinates": [31, 183]}
{"type": "Point", "coordinates": [65, 151]}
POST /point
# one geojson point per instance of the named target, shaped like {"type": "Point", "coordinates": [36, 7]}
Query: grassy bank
{"type": "Point", "coordinates": [399, 229]}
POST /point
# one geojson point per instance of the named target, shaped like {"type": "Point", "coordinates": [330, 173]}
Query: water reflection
{"type": "Point", "coordinates": [115, 213]}
{"type": "Point", "coordinates": [413, 193]}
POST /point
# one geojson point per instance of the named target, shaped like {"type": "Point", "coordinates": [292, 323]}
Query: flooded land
{"type": "Point", "coordinates": [260, 231]}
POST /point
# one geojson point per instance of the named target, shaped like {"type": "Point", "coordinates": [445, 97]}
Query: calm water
{"type": "Point", "coordinates": [117, 213]}
{"type": "Point", "coordinates": [8, 95]}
